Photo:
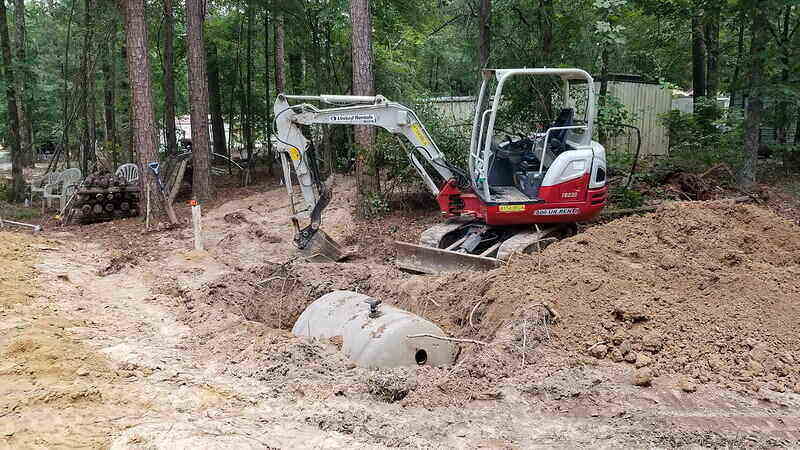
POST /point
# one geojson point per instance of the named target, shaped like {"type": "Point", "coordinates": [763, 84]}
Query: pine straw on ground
{"type": "Point", "coordinates": [706, 290]}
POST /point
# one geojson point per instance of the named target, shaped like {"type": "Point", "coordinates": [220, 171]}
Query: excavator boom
{"type": "Point", "coordinates": [296, 153]}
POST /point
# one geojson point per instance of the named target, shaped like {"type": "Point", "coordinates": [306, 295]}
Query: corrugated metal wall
{"type": "Point", "coordinates": [647, 102]}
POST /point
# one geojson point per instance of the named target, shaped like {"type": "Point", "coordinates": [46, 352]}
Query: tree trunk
{"type": "Point", "coordinates": [17, 191]}
{"type": "Point", "coordinates": [698, 58]}
{"type": "Point", "coordinates": [296, 69]}
{"type": "Point", "coordinates": [198, 99]}
{"type": "Point", "coordinates": [144, 121]}
{"type": "Point", "coordinates": [66, 119]}
{"type": "Point", "coordinates": [797, 129]}
{"type": "Point", "coordinates": [87, 99]}
{"type": "Point", "coordinates": [267, 93]}
{"type": "Point", "coordinates": [109, 89]}
{"type": "Point", "coordinates": [126, 142]}
{"type": "Point", "coordinates": [782, 125]}
{"type": "Point", "coordinates": [735, 78]}
{"type": "Point", "coordinates": [280, 56]}
{"type": "Point", "coordinates": [248, 94]}
{"type": "Point", "coordinates": [712, 47]}
{"type": "Point", "coordinates": [484, 33]}
{"type": "Point", "coordinates": [23, 104]}
{"type": "Point", "coordinates": [91, 96]}
{"type": "Point", "coordinates": [169, 78]}
{"type": "Point", "coordinates": [604, 58]}
{"type": "Point", "coordinates": [546, 23]}
{"type": "Point", "coordinates": [367, 176]}
{"type": "Point", "coordinates": [215, 100]}
{"type": "Point", "coordinates": [755, 104]}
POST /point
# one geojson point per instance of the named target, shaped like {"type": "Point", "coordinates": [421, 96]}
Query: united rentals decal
{"type": "Point", "coordinates": [557, 212]}
{"type": "Point", "coordinates": [354, 118]}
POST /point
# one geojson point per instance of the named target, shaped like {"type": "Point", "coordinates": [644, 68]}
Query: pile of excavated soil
{"type": "Point", "coordinates": [710, 291]}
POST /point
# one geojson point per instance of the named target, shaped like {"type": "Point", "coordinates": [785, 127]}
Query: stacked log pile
{"type": "Point", "coordinates": [104, 196]}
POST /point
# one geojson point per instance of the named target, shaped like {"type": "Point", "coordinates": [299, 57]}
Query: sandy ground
{"type": "Point", "coordinates": [114, 338]}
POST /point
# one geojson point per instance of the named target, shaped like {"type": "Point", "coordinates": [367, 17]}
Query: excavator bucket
{"type": "Point", "coordinates": [322, 248]}
{"type": "Point", "coordinates": [419, 258]}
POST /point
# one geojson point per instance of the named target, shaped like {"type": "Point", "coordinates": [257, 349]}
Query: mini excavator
{"type": "Point", "coordinates": [519, 193]}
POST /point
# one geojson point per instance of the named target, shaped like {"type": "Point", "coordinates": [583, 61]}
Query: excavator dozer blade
{"type": "Point", "coordinates": [322, 248]}
{"type": "Point", "coordinates": [419, 258]}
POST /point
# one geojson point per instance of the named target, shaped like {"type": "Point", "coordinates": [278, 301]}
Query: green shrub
{"type": "Point", "coordinates": [702, 139]}
{"type": "Point", "coordinates": [623, 198]}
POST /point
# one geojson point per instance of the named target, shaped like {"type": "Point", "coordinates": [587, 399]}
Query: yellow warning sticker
{"type": "Point", "coordinates": [294, 153]}
{"type": "Point", "coordinates": [512, 208]}
{"type": "Point", "coordinates": [423, 139]}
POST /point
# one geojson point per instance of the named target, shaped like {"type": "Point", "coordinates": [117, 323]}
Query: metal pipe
{"type": "Point", "coordinates": [19, 224]}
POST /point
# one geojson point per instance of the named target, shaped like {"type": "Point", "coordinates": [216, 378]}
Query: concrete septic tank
{"type": "Point", "coordinates": [374, 339]}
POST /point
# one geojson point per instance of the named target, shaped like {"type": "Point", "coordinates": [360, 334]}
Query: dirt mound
{"type": "Point", "coordinates": [707, 290]}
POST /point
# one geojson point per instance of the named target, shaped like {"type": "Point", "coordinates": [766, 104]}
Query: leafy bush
{"type": "Point", "coordinates": [452, 139]}
{"type": "Point", "coordinates": [612, 115]}
{"type": "Point", "coordinates": [4, 188]}
{"type": "Point", "coordinates": [624, 198]}
{"type": "Point", "coordinates": [702, 139]}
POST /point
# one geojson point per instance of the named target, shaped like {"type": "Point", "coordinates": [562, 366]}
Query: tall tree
{"type": "Point", "coordinates": [169, 77]}
{"type": "Point", "coordinates": [23, 104]}
{"type": "Point", "coordinates": [280, 56]}
{"type": "Point", "coordinates": [109, 68]}
{"type": "Point", "coordinates": [755, 102]}
{"type": "Point", "coordinates": [143, 116]}
{"type": "Point", "coordinates": [484, 32]}
{"type": "Point", "coordinates": [698, 57]}
{"type": "Point", "coordinates": [215, 101]}
{"type": "Point", "coordinates": [248, 93]}
{"type": "Point", "coordinates": [267, 93]}
{"type": "Point", "coordinates": [198, 99]}
{"type": "Point", "coordinates": [88, 100]}
{"type": "Point", "coordinates": [17, 192]}
{"type": "Point", "coordinates": [713, 14]}
{"type": "Point", "coordinates": [367, 176]}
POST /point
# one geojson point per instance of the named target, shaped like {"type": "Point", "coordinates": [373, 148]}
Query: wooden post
{"type": "Point", "coordinates": [197, 227]}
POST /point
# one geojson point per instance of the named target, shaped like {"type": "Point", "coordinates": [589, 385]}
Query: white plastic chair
{"type": "Point", "coordinates": [70, 180]}
{"type": "Point", "coordinates": [39, 186]}
{"type": "Point", "coordinates": [63, 187]}
{"type": "Point", "coordinates": [128, 171]}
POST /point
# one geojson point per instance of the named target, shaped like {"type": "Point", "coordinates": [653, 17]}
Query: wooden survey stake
{"type": "Point", "coordinates": [196, 226]}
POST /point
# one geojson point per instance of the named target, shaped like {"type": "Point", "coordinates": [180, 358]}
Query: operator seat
{"type": "Point", "coordinates": [557, 142]}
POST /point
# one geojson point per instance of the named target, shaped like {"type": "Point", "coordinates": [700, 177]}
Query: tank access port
{"type": "Point", "coordinates": [373, 334]}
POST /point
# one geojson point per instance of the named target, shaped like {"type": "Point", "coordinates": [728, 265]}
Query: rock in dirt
{"type": "Point", "coordinates": [642, 377]}
{"type": "Point", "coordinates": [686, 384]}
{"type": "Point", "coordinates": [642, 360]}
{"type": "Point", "coordinates": [598, 351]}
{"type": "Point", "coordinates": [391, 385]}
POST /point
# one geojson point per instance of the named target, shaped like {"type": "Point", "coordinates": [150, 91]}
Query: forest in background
{"type": "Point", "coordinates": [73, 87]}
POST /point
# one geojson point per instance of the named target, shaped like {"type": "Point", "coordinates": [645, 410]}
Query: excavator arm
{"type": "Point", "coordinates": [297, 152]}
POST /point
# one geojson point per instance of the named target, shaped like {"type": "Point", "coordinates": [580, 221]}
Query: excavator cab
{"type": "Point", "coordinates": [523, 169]}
